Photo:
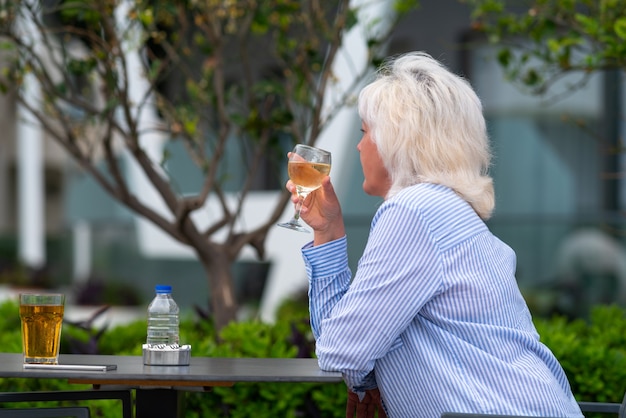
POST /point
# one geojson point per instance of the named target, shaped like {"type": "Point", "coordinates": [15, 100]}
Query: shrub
{"type": "Point", "coordinates": [593, 354]}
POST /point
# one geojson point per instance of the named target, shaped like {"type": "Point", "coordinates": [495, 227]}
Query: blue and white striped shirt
{"type": "Point", "coordinates": [435, 311]}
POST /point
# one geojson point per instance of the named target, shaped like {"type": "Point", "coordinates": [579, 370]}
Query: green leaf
{"type": "Point", "coordinates": [405, 6]}
{"type": "Point", "coordinates": [620, 27]}
{"type": "Point", "coordinates": [589, 23]}
{"type": "Point", "coordinates": [554, 45]}
{"type": "Point", "coordinates": [532, 77]}
{"type": "Point", "coordinates": [504, 57]}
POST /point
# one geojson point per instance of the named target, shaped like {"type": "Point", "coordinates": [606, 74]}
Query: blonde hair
{"type": "Point", "coordinates": [428, 126]}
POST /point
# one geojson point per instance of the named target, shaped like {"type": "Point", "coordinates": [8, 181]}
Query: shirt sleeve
{"type": "Point", "coordinates": [358, 323]}
{"type": "Point", "coordinates": [329, 278]}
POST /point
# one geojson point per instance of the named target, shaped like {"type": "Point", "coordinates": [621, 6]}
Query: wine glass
{"type": "Point", "coordinates": [307, 168]}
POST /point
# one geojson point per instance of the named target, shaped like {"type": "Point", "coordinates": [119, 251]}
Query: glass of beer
{"type": "Point", "coordinates": [42, 318]}
{"type": "Point", "coordinates": [307, 167]}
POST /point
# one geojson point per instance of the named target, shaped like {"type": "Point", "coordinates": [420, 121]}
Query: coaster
{"type": "Point", "coordinates": [166, 355]}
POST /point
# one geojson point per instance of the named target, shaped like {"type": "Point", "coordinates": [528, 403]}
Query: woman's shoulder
{"type": "Point", "coordinates": [437, 207]}
{"type": "Point", "coordinates": [428, 196]}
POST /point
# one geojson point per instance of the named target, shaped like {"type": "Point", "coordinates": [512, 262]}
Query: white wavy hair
{"type": "Point", "coordinates": [428, 126]}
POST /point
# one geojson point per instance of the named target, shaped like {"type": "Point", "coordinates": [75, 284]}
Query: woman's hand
{"type": "Point", "coordinates": [321, 211]}
{"type": "Point", "coordinates": [366, 407]}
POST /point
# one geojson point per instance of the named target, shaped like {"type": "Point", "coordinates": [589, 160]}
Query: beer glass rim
{"type": "Point", "coordinates": [42, 298]}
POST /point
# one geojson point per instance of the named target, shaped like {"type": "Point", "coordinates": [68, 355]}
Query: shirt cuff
{"type": "Point", "coordinates": [322, 260]}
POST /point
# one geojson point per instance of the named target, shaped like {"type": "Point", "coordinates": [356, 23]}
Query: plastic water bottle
{"type": "Point", "coordinates": [163, 318]}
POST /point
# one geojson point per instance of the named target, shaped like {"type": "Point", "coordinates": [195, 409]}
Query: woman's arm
{"type": "Point", "coordinates": [399, 272]}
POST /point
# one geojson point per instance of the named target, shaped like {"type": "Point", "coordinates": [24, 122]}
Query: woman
{"type": "Point", "coordinates": [433, 319]}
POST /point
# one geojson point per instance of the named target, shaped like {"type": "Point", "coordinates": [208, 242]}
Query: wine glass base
{"type": "Point", "coordinates": [293, 225]}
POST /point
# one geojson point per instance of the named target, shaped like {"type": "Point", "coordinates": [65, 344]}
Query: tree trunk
{"type": "Point", "coordinates": [223, 303]}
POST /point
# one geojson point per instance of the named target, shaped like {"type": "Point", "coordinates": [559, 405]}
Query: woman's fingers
{"type": "Point", "coordinates": [292, 189]}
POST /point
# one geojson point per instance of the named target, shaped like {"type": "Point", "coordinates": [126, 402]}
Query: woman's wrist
{"type": "Point", "coordinates": [330, 233]}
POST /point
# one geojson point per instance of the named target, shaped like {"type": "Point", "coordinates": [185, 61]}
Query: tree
{"type": "Point", "coordinates": [540, 41]}
{"type": "Point", "coordinates": [216, 74]}
{"type": "Point", "coordinates": [551, 48]}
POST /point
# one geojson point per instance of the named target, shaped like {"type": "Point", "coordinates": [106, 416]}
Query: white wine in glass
{"type": "Point", "coordinates": [307, 168]}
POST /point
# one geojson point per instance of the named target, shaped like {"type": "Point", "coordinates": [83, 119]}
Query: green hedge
{"type": "Point", "coordinates": [592, 353]}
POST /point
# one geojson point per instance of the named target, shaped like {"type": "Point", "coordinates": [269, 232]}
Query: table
{"type": "Point", "coordinates": [158, 388]}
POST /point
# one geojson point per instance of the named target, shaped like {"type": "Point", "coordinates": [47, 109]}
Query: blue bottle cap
{"type": "Point", "coordinates": [163, 288]}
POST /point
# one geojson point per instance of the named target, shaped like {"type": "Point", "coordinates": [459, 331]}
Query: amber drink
{"type": "Point", "coordinates": [42, 318]}
{"type": "Point", "coordinates": [307, 168]}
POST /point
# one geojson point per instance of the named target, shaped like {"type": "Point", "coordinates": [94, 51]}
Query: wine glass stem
{"type": "Point", "coordinates": [296, 215]}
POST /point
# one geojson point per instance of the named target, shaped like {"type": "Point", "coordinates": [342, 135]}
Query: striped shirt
{"type": "Point", "coordinates": [434, 317]}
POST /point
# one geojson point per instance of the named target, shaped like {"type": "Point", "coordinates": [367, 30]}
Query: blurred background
{"type": "Point", "coordinates": [559, 198]}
